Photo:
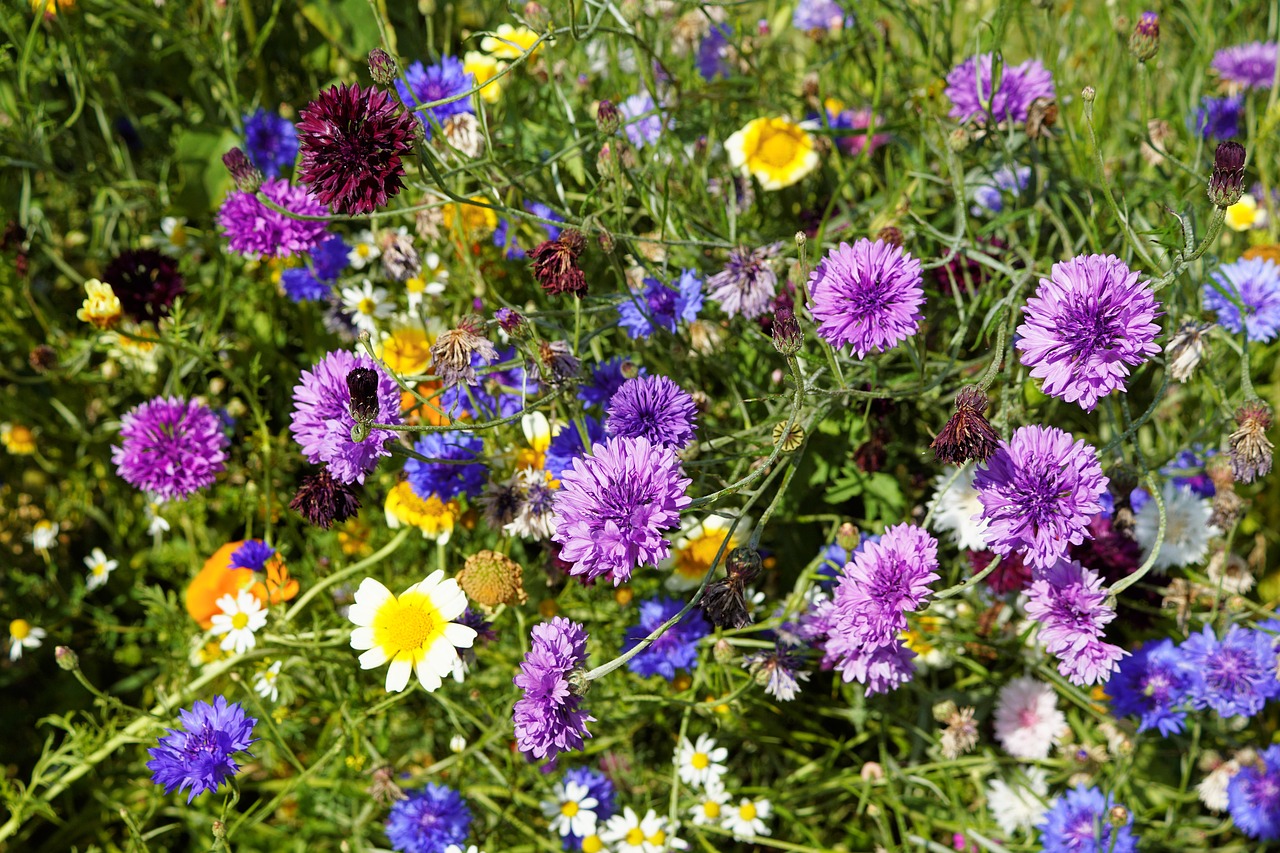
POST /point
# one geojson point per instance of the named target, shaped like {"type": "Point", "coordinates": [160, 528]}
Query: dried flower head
{"type": "Point", "coordinates": [451, 353]}
{"type": "Point", "coordinates": [968, 434]}
{"type": "Point", "coordinates": [725, 600]}
{"type": "Point", "coordinates": [961, 733]}
{"type": "Point", "coordinates": [1250, 447]}
{"type": "Point", "coordinates": [1185, 349]}
{"type": "Point", "coordinates": [490, 578]}
{"type": "Point", "coordinates": [556, 362]}
{"type": "Point", "coordinates": [322, 500]}
{"type": "Point", "coordinates": [555, 264]}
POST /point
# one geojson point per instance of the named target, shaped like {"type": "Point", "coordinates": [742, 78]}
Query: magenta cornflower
{"type": "Point", "coordinates": [252, 228]}
{"type": "Point", "coordinates": [1252, 65]}
{"type": "Point", "coordinates": [654, 407]}
{"type": "Point", "coordinates": [322, 419]}
{"type": "Point", "coordinates": [1088, 323]}
{"type": "Point", "coordinates": [613, 506]}
{"type": "Point", "coordinates": [1071, 606]}
{"type": "Point", "coordinates": [549, 718]}
{"type": "Point", "coordinates": [867, 296]}
{"type": "Point", "coordinates": [1038, 492]}
{"type": "Point", "coordinates": [969, 88]}
{"type": "Point", "coordinates": [198, 756]}
{"type": "Point", "coordinates": [170, 447]}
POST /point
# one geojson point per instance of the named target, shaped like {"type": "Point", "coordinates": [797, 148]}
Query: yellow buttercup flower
{"type": "Point", "coordinates": [18, 439]}
{"type": "Point", "coordinates": [432, 516]}
{"type": "Point", "coordinates": [1245, 214]}
{"type": "Point", "coordinates": [508, 42]}
{"type": "Point", "coordinates": [407, 350]}
{"type": "Point", "coordinates": [484, 67]}
{"type": "Point", "coordinates": [777, 151]}
{"type": "Point", "coordinates": [101, 305]}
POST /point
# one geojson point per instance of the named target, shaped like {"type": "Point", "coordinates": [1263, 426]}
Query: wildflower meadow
{"type": "Point", "coordinates": [627, 426]}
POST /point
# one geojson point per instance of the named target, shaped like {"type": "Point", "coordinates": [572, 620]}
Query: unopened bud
{"type": "Point", "coordinates": [1088, 94]}
{"type": "Point", "coordinates": [892, 236]}
{"type": "Point", "coordinates": [608, 118]}
{"type": "Point", "coordinates": [536, 16]}
{"type": "Point", "coordinates": [629, 369]}
{"type": "Point", "coordinates": [1144, 41]}
{"type": "Point", "coordinates": [382, 67]}
{"type": "Point", "coordinates": [219, 830]}
{"type": "Point", "coordinates": [247, 176]}
{"type": "Point", "coordinates": [457, 744]}
{"type": "Point", "coordinates": [1226, 182]}
{"type": "Point", "coordinates": [787, 334]}
{"type": "Point", "coordinates": [722, 651]}
{"type": "Point", "coordinates": [958, 140]}
{"type": "Point", "coordinates": [1119, 815]}
{"type": "Point", "coordinates": [847, 537]}
{"type": "Point", "coordinates": [66, 658]}
{"type": "Point", "coordinates": [945, 710]}
{"type": "Point", "coordinates": [362, 385]}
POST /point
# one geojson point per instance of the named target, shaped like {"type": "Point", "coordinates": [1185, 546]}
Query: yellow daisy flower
{"type": "Point", "coordinates": [18, 439]}
{"type": "Point", "coordinates": [537, 431]}
{"type": "Point", "coordinates": [101, 305]}
{"type": "Point", "coordinates": [406, 350]}
{"type": "Point", "coordinates": [1245, 214]}
{"type": "Point", "coordinates": [432, 516]}
{"type": "Point", "coordinates": [475, 221]}
{"type": "Point", "coordinates": [414, 631]}
{"type": "Point", "coordinates": [693, 549]}
{"type": "Point", "coordinates": [484, 67]}
{"type": "Point", "coordinates": [508, 42]}
{"type": "Point", "coordinates": [777, 151]}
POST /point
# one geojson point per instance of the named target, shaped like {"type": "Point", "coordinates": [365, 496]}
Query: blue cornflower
{"type": "Point", "coordinates": [329, 258]}
{"type": "Point", "coordinates": [504, 235]}
{"type": "Point", "coordinates": [988, 197]}
{"type": "Point", "coordinates": [1152, 686]}
{"type": "Point", "coordinates": [301, 285]}
{"type": "Point", "coordinates": [199, 755]}
{"type": "Point", "coordinates": [1202, 483]}
{"type": "Point", "coordinates": [676, 649]}
{"type": "Point", "coordinates": [425, 84]}
{"type": "Point", "coordinates": [253, 554]}
{"type": "Point", "coordinates": [508, 387]}
{"type": "Point", "coordinates": [661, 306]}
{"type": "Point", "coordinates": [270, 141]}
{"type": "Point", "coordinates": [429, 821]}
{"type": "Point", "coordinates": [1235, 675]}
{"type": "Point", "coordinates": [315, 282]}
{"type": "Point", "coordinates": [1253, 797]}
{"type": "Point", "coordinates": [447, 478]}
{"type": "Point", "coordinates": [567, 445]}
{"type": "Point", "coordinates": [1079, 822]}
{"type": "Point", "coordinates": [1256, 284]}
{"type": "Point", "coordinates": [714, 53]}
{"type": "Point", "coordinates": [1217, 118]}
{"type": "Point", "coordinates": [642, 123]}
{"type": "Point", "coordinates": [598, 787]}
{"type": "Point", "coordinates": [606, 379]}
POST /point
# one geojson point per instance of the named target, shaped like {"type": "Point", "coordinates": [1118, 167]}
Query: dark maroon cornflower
{"type": "Point", "coordinates": [1010, 576]}
{"type": "Point", "coordinates": [322, 500]}
{"type": "Point", "coordinates": [146, 282]}
{"type": "Point", "coordinates": [1226, 182]}
{"type": "Point", "coordinates": [362, 383]}
{"type": "Point", "coordinates": [725, 601]}
{"type": "Point", "coordinates": [967, 435]}
{"type": "Point", "coordinates": [555, 264]}
{"type": "Point", "coordinates": [788, 337]}
{"type": "Point", "coordinates": [1250, 447]}
{"type": "Point", "coordinates": [43, 358]}
{"type": "Point", "coordinates": [352, 140]}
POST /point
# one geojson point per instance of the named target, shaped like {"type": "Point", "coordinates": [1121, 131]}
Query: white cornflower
{"type": "Point", "coordinates": [954, 508]}
{"type": "Point", "coordinates": [366, 305]}
{"type": "Point", "coordinates": [1019, 807]}
{"type": "Point", "coordinates": [264, 683]}
{"type": "Point", "coordinates": [1028, 721]}
{"type": "Point", "coordinates": [1212, 789]}
{"type": "Point", "coordinates": [700, 762]}
{"type": "Point", "coordinates": [363, 250]}
{"type": "Point", "coordinates": [746, 820]}
{"type": "Point", "coordinates": [23, 636]}
{"type": "Point", "coordinates": [571, 809]}
{"type": "Point", "coordinates": [710, 807]}
{"type": "Point", "coordinates": [241, 616]}
{"type": "Point", "coordinates": [44, 535]}
{"type": "Point", "coordinates": [100, 568]}
{"type": "Point", "coordinates": [1187, 529]}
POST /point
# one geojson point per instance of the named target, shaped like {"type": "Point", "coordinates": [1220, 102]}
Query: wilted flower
{"type": "Point", "coordinates": [452, 352]}
{"type": "Point", "coordinates": [967, 434]}
{"type": "Point", "coordinates": [490, 578]}
{"type": "Point", "coordinates": [555, 264]}
{"type": "Point", "coordinates": [1250, 447]}
{"type": "Point", "coordinates": [322, 500]}
{"type": "Point", "coordinates": [1185, 349]}
{"type": "Point", "coordinates": [747, 283]}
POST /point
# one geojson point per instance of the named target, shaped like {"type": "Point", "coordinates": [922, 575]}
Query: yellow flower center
{"type": "Point", "coordinates": [711, 809]}
{"type": "Point", "coordinates": [239, 621]}
{"type": "Point", "coordinates": [635, 836]}
{"type": "Point", "coordinates": [410, 623]}
{"type": "Point", "coordinates": [407, 351]}
{"type": "Point", "coordinates": [693, 560]}
{"type": "Point", "coordinates": [659, 838]}
{"type": "Point", "coordinates": [592, 844]}
{"type": "Point", "coordinates": [99, 570]}
{"type": "Point", "coordinates": [777, 149]}
{"type": "Point", "coordinates": [19, 629]}
{"type": "Point", "coordinates": [700, 761]}
{"type": "Point", "coordinates": [415, 285]}
{"type": "Point", "coordinates": [569, 809]}
{"type": "Point", "coordinates": [363, 250]}
{"type": "Point", "coordinates": [747, 811]}
{"type": "Point", "coordinates": [367, 305]}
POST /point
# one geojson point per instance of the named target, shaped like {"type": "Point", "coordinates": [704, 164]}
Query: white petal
{"type": "Point", "coordinates": [450, 600]}
{"type": "Point", "coordinates": [362, 614]}
{"type": "Point", "coordinates": [432, 581]}
{"type": "Point", "coordinates": [373, 658]}
{"type": "Point", "coordinates": [372, 594]}
{"type": "Point", "coordinates": [362, 638]}
{"type": "Point", "coordinates": [398, 673]}
{"type": "Point", "coordinates": [459, 635]}
{"type": "Point", "coordinates": [429, 678]}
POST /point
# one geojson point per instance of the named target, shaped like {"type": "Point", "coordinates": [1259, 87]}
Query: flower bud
{"type": "Point", "coordinates": [247, 176]}
{"type": "Point", "coordinates": [1119, 815]}
{"type": "Point", "coordinates": [66, 658]}
{"type": "Point", "coordinates": [608, 118]}
{"type": "Point", "coordinates": [847, 537]}
{"type": "Point", "coordinates": [722, 651]}
{"type": "Point", "coordinates": [457, 744]}
{"type": "Point", "coordinates": [382, 68]}
{"type": "Point", "coordinates": [512, 322]}
{"type": "Point", "coordinates": [1144, 41]}
{"type": "Point", "coordinates": [891, 235]}
{"type": "Point", "coordinates": [787, 335]}
{"type": "Point", "coordinates": [1226, 182]}
{"type": "Point", "coordinates": [536, 16]}
{"type": "Point", "coordinates": [1088, 93]}
{"type": "Point", "coordinates": [958, 140]}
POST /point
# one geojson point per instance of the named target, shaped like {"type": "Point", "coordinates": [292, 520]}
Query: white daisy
{"type": "Point", "coordinates": [1019, 807]}
{"type": "Point", "coordinates": [571, 809]}
{"type": "Point", "coordinates": [100, 568]}
{"type": "Point", "coordinates": [954, 507]}
{"type": "Point", "coordinates": [367, 305]}
{"type": "Point", "coordinates": [1187, 529]}
{"type": "Point", "coordinates": [701, 762]}
{"type": "Point", "coordinates": [1028, 721]}
{"type": "Point", "coordinates": [629, 833]}
{"type": "Point", "coordinates": [264, 683]}
{"type": "Point", "coordinates": [364, 249]}
{"type": "Point", "coordinates": [430, 281]}
{"type": "Point", "coordinates": [711, 803]}
{"type": "Point", "coordinates": [453, 848]}
{"type": "Point", "coordinates": [173, 237]}
{"type": "Point", "coordinates": [746, 820]}
{"type": "Point", "coordinates": [241, 616]}
{"type": "Point", "coordinates": [23, 636]}
{"type": "Point", "coordinates": [156, 523]}
{"type": "Point", "coordinates": [44, 535]}
{"type": "Point", "coordinates": [1212, 789]}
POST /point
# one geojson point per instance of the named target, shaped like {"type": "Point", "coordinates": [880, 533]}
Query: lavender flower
{"type": "Point", "coordinates": [1152, 686]}
{"type": "Point", "coordinates": [548, 717]}
{"type": "Point", "coordinates": [778, 671]}
{"type": "Point", "coordinates": [748, 281]}
{"type": "Point", "coordinates": [252, 228]}
{"type": "Point", "coordinates": [676, 649]}
{"type": "Point", "coordinates": [198, 756]}
{"type": "Point", "coordinates": [867, 295]}
{"type": "Point", "coordinates": [270, 141]}
{"type": "Point", "coordinates": [885, 581]}
{"type": "Point", "coordinates": [654, 407]}
{"type": "Point", "coordinates": [642, 121]}
{"type": "Point", "coordinates": [1234, 676]}
{"type": "Point", "coordinates": [426, 84]}
{"type": "Point", "coordinates": [1080, 822]}
{"type": "Point", "coordinates": [252, 555]}
{"type": "Point", "coordinates": [1038, 492]}
{"type": "Point", "coordinates": [322, 420]}
{"type": "Point", "coordinates": [1088, 323]}
{"type": "Point", "coordinates": [606, 378]}
{"type": "Point", "coordinates": [613, 506]}
{"type": "Point", "coordinates": [989, 197]}
{"type": "Point", "coordinates": [1250, 65]}
{"type": "Point", "coordinates": [1071, 606]}
{"type": "Point", "coordinates": [881, 669]}
{"type": "Point", "coordinates": [660, 306]}
{"type": "Point", "coordinates": [459, 468]}
{"type": "Point", "coordinates": [568, 445]}
{"type": "Point", "coordinates": [819, 16]}
{"type": "Point", "coordinates": [1217, 118]}
{"type": "Point", "coordinates": [430, 820]}
{"type": "Point", "coordinates": [171, 447]}
{"type": "Point", "coordinates": [1255, 283]}
{"type": "Point", "coordinates": [969, 88]}
{"type": "Point", "coordinates": [1253, 796]}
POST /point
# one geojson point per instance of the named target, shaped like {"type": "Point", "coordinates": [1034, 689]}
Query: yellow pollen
{"type": "Point", "coordinates": [711, 809]}
{"type": "Point", "coordinates": [366, 305]}
{"type": "Point", "coordinates": [19, 629]}
{"type": "Point", "coordinates": [592, 844]}
{"type": "Point", "coordinates": [240, 620]}
{"type": "Point", "coordinates": [635, 836]}
{"type": "Point", "coordinates": [363, 250]}
{"type": "Point", "coordinates": [778, 150]}
{"type": "Point", "coordinates": [569, 809]}
{"type": "Point", "coordinates": [407, 625]}
{"type": "Point", "coordinates": [700, 761]}
{"type": "Point", "coordinates": [659, 838]}
{"type": "Point", "coordinates": [747, 811]}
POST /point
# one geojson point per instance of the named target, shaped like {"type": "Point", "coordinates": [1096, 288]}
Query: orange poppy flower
{"type": "Point", "coordinates": [217, 579]}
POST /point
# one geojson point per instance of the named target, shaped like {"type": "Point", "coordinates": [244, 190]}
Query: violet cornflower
{"type": "Point", "coordinates": [1152, 686]}
{"type": "Point", "coordinates": [677, 648]}
{"type": "Point", "coordinates": [969, 88]}
{"type": "Point", "coordinates": [252, 228]}
{"type": "Point", "coordinates": [654, 407]}
{"type": "Point", "coordinates": [198, 756]}
{"type": "Point", "coordinates": [867, 296]}
{"type": "Point", "coordinates": [170, 447]}
{"type": "Point", "coordinates": [549, 718]}
{"type": "Point", "coordinates": [1234, 676]}
{"type": "Point", "coordinates": [1071, 606]}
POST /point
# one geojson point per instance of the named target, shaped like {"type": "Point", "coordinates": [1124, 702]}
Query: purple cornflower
{"type": "Point", "coordinates": [198, 755]}
{"type": "Point", "coordinates": [989, 197]}
{"type": "Point", "coordinates": [253, 554]}
{"type": "Point", "coordinates": [252, 228]}
{"type": "Point", "coordinates": [1255, 283]}
{"type": "Point", "coordinates": [969, 88]}
{"type": "Point", "coordinates": [460, 469]}
{"type": "Point", "coordinates": [1253, 796]}
{"type": "Point", "coordinates": [1250, 65]}
{"type": "Point", "coordinates": [654, 407]}
{"type": "Point", "coordinates": [425, 84]}
{"type": "Point", "coordinates": [1217, 118]}
{"type": "Point", "coordinates": [867, 295]}
{"type": "Point", "coordinates": [548, 717]}
{"type": "Point", "coordinates": [429, 820]}
{"type": "Point", "coordinates": [328, 260]}
{"type": "Point", "coordinates": [1038, 492]}
{"type": "Point", "coordinates": [613, 505]}
{"type": "Point", "coordinates": [322, 418]}
{"type": "Point", "coordinates": [747, 283]}
{"type": "Point", "coordinates": [504, 236]}
{"type": "Point", "coordinates": [778, 670]}
{"type": "Point", "coordinates": [270, 141]}
{"type": "Point", "coordinates": [881, 668]}
{"type": "Point", "coordinates": [643, 122]}
{"type": "Point", "coordinates": [1071, 606]}
{"type": "Point", "coordinates": [1234, 676]}
{"type": "Point", "coordinates": [885, 581]}
{"type": "Point", "coordinates": [1080, 822]}
{"type": "Point", "coordinates": [676, 649]}
{"type": "Point", "coordinates": [1152, 686]}
{"type": "Point", "coordinates": [1088, 323]}
{"type": "Point", "coordinates": [819, 16]}
{"type": "Point", "coordinates": [659, 306]}
{"type": "Point", "coordinates": [170, 447]}
{"type": "Point", "coordinates": [714, 53]}
{"type": "Point", "coordinates": [606, 378]}
{"type": "Point", "coordinates": [567, 445]}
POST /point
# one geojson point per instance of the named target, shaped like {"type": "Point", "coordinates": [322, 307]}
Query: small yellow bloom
{"type": "Point", "coordinates": [777, 151]}
{"type": "Point", "coordinates": [696, 546]}
{"type": "Point", "coordinates": [353, 538]}
{"type": "Point", "coordinates": [537, 431]}
{"type": "Point", "coordinates": [18, 439]}
{"type": "Point", "coordinates": [50, 8]}
{"type": "Point", "coordinates": [1245, 214]}
{"type": "Point", "coordinates": [101, 305]}
{"type": "Point", "coordinates": [484, 67]}
{"type": "Point", "coordinates": [432, 516]}
{"type": "Point", "coordinates": [508, 42]}
{"type": "Point", "coordinates": [407, 350]}
{"type": "Point", "coordinates": [475, 221]}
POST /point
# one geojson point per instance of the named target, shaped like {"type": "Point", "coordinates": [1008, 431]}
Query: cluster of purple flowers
{"type": "Point", "coordinates": [549, 718]}
{"type": "Point", "coordinates": [677, 648]}
{"type": "Point", "coordinates": [252, 228]}
{"type": "Point", "coordinates": [661, 307]}
{"type": "Point", "coordinates": [315, 281]}
{"type": "Point", "coordinates": [198, 756]}
{"type": "Point", "coordinates": [457, 466]}
{"type": "Point", "coordinates": [1071, 606]}
{"type": "Point", "coordinates": [429, 820]}
{"type": "Point", "coordinates": [170, 447]}
{"type": "Point", "coordinates": [969, 88]}
{"type": "Point", "coordinates": [653, 407]}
